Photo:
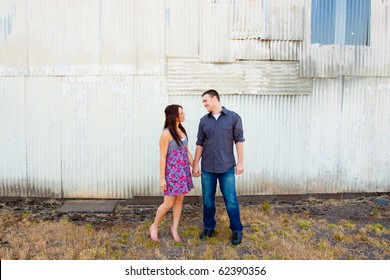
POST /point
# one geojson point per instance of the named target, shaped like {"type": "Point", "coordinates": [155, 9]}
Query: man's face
{"type": "Point", "coordinates": [208, 102]}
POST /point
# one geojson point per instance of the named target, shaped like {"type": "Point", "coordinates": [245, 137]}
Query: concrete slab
{"type": "Point", "coordinates": [88, 206]}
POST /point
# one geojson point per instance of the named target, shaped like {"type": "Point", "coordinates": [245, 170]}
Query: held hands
{"type": "Point", "coordinates": [196, 171]}
{"type": "Point", "coordinates": [239, 169]}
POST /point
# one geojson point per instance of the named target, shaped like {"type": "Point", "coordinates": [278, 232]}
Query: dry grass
{"type": "Point", "coordinates": [268, 234]}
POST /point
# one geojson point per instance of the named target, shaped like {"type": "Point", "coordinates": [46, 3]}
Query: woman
{"type": "Point", "coordinates": [175, 173]}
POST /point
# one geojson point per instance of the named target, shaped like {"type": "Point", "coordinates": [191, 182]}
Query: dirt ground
{"type": "Point", "coordinates": [360, 211]}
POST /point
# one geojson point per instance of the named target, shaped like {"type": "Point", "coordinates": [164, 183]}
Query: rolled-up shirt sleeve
{"type": "Point", "coordinates": [200, 137]}
{"type": "Point", "coordinates": [238, 131]}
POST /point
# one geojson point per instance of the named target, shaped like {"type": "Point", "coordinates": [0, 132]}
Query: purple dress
{"type": "Point", "coordinates": [177, 169]}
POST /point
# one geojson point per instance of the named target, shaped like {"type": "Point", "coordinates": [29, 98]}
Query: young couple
{"type": "Point", "coordinates": [218, 131]}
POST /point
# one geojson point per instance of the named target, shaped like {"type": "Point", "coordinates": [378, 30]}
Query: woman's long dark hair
{"type": "Point", "coordinates": [171, 115]}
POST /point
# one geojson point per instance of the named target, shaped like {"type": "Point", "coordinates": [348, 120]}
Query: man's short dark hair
{"type": "Point", "coordinates": [212, 93]}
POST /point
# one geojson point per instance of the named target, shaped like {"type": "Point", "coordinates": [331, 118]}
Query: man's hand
{"type": "Point", "coordinates": [196, 171]}
{"type": "Point", "coordinates": [239, 169]}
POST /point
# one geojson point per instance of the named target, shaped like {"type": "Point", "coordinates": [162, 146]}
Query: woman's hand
{"type": "Point", "coordinates": [196, 171]}
{"type": "Point", "coordinates": [163, 184]}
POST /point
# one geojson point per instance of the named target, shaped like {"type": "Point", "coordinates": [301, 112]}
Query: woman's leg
{"type": "Point", "coordinates": [161, 211]}
{"type": "Point", "coordinates": [177, 209]}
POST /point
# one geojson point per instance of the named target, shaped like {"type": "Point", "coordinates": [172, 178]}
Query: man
{"type": "Point", "coordinates": [217, 133]}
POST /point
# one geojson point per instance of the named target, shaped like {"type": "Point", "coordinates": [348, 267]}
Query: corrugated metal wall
{"type": "Point", "coordinates": [83, 86]}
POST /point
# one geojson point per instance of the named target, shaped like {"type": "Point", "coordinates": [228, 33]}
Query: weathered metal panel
{"type": "Point", "coordinates": [89, 125]}
{"type": "Point", "coordinates": [182, 27]}
{"type": "Point", "coordinates": [151, 37]}
{"type": "Point", "coordinates": [365, 125]}
{"type": "Point", "coordinates": [97, 137]}
{"type": "Point", "coordinates": [285, 50]}
{"type": "Point", "coordinates": [352, 60]}
{"type": "Point", "coordinates": [335, 140]}
{"type": "Point", "coordinates": [188, 76]}
{"type": "Point", "coordinates": [13, 38]}
{"type": "Point", "coordinates": [118, 32]}
{"type": "Point", "coordinates": [214, 45]}
{"type": "Point", "coordinates": [13, 168]}
{"type": "Point", "coordinates": [251, 49]}
{"type": "Point", "coordinates": [274, 157]}
{"type": "Point", "coordinates": [267, 19]}
{"type": "Point", "coordinates": [115, 136]}
{"type": "Point", "coordinates": [379, 58]}
{"type": "Point", "coordinates": [83, 38]}
{"type": "Point", "coordinates": [80, 159]}
{"type": "Point", "coordinates": [249, 19]}
{"type": "Point", "coordinates": [43, 136]}
{"type": "Point", "coordinates": [63, 37]}
{"type": "Point", "coordinates": [149, 102]}
{"type": "Point", "coordinates": [286, 19]}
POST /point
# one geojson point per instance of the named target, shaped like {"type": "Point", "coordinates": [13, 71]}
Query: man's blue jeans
{"type": "Point", "coordinates": [227, 184]}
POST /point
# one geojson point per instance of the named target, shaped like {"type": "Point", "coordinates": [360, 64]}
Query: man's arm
{"type": "Point", "coordinates": [240, 158]}
{"type": "Point", "coordinates": [198, 154]}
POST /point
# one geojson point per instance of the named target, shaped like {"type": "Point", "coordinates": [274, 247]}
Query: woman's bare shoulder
{"type": "Point", "coordinates": [166, 135]}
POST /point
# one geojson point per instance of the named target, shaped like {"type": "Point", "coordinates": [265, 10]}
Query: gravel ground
{"type": "Point", "coordinates": [364, 209]}
{"type": "Point", "coordinates": [359, 211]}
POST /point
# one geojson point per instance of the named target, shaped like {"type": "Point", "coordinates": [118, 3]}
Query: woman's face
{"type": "Point", "coordinates": [181, 116]}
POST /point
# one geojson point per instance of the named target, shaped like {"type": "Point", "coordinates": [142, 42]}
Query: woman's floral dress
{"type": "Point", "coordinates": [177, 169]}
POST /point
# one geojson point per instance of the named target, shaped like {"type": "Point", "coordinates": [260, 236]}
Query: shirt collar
{"type": "Point", "coordinates": [224, 111]}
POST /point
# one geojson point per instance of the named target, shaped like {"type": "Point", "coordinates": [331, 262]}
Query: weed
{"type": "Point", "coordinates": [118, 254]}
{"type": "Point", "coordinates": [376, 227]}
{"type": "Point", "coordinates": [375, 213]}
{"type": "Point", "coordinates": [89, 227]}
{"type": "Point", "coordinates": [324, 244]}
{"type": "Point", "coordinates": [331, 226]}
{"type": "Point", "coordinates": [250, 257]}
{"type": "Point", "coordinates": [190, 231]}
{"type": "Point", "coordinates": [265, 206]}
{"type": "Point", "coordinates": [253, 236]}
{"type": "Point", "coordinates": [124, 239]}
{"type": "Point", "coordinates": [305, 224]}
{"type": "Point", "coordinates": [102, 252]}
{"type": "Point", "coordinates": [264, 224]}
{"type": "Point", "coordinates": [26, 214]}
{"type": "Point", "coordinates": [212, 240]}
{"type": "Point", "coordinates": [339, 236]}
{"type": "Point", "coordinates": [255, 228]}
